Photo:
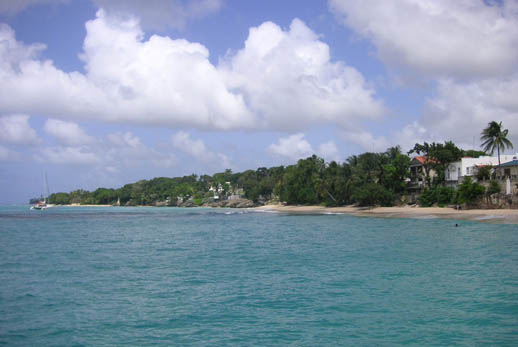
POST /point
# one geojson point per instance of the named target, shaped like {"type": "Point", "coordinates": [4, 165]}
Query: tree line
{"type": "Point", "coordinates": [368, 179]}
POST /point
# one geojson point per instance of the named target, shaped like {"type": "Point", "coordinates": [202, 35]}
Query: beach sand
{"type": "Point", "coordinates": [500, 216]}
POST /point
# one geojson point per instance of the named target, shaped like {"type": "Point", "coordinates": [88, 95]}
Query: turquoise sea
{"type": "Point", "coordinates": [88, 276]}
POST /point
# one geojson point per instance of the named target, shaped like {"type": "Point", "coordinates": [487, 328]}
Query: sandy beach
{"type": "Point", "coordinates": [500, 216]}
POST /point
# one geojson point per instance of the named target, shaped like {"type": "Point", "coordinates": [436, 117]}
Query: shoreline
{"type": "Point", "coordinates": [499, 216]}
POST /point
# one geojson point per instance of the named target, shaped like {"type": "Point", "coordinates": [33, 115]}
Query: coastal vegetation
{"type": "Point", "coordinates": [368, 179]}
{"type": "Point", "coordinates": [494, 137]}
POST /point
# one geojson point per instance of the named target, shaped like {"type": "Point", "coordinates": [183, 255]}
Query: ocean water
{"type": "Point", "coordinates": [89, 276]}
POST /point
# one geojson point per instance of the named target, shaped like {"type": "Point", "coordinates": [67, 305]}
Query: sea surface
{"type": "Point", "coordinates": [92, 276]}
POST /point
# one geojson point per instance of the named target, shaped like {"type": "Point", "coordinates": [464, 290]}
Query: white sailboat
{"type": "Point", "coordinates": [43, 203]}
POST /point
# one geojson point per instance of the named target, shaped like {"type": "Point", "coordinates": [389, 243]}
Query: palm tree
{"type": "Point", "coordinates": [494, 137]}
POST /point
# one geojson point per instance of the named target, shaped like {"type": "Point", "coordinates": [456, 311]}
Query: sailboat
{"type": "Point", "coordinates": [43, 203]}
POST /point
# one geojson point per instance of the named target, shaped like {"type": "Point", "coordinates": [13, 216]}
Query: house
{"type": "Point", "coordinates": [419, 171]}
{"type": "Point", "coordinates": [508, 170]}
{"type": "Point", "coordinates": [467, 166]}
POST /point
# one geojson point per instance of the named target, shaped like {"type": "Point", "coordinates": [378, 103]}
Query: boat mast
{"type": "Point", "coordinates": [46, 188]}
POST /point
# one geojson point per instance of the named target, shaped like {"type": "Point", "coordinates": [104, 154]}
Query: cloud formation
{"type": "Point", "coordinates": [15, 129]}
{"type": "Point", "coordinates": [462, 111]}
{"type": "Point", "coordinates": [367, 140]}
{"type": "Point", "coordinates": [68, 133]}
{"type": "Point", "coordinates": [440, 38]}
{"type": "Point", "coordinates": [67, 155]}
{"type": "Point", "coordinates": [289, 80]}
{"type": "Point", "coordinates": [293, 147]}
{"type": "Point", "coordinates": [279, 80]}
{"type": "Point", "coordinates": [329, 151]}
{"type": "Point", "coordinates": [467, 48]}
{"type": "Point", "coordinates": [198, 150]}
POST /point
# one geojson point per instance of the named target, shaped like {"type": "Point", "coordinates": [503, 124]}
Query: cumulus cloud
{"type": "Point", "coordinates": [440, 38]}
{"type": "Point", "coordinates": [67, 155]}
{"type": "Point", "coordinates": [460, 112]}
{"type": "Point", "coordinates": [367, 141]}
{"type": "Point", "coordinates": [126, 139]}
{"type": "Point", "coordinates": [15, 129]}
{"type": "Point", "coordinates": [293, 147]}
{"type": "Point", "coordinates": [197, 149]}
{"type": "Point", "coordinates": [329, 151]}
{"type": "Point", "coordinates": [279, 80]}
{"type": "Point", "coordinates": [112, 153]}
{"type": "Point", "coordinates": [161, 14]}
{"type": "Point", "coordinates": [155, 82]}
{"type": "Point", "coordinates": [127, 150]}
{"type": "Point", "coordinates": [289, 80]}
{"type": "Point", "coordinates": [68, 133]}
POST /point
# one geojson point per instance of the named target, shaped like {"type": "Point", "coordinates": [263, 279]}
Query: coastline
{"type": "Point", "coordinates": [499, 216]}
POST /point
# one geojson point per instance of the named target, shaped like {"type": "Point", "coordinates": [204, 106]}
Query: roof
{"type": "Point", "coordinates": [510, 163]}
{"type": "Point", "coordinates": [423, 160]}
{"type": "Point", "coordinates": [420, 159]}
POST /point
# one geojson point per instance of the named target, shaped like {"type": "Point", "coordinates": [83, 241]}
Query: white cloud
{"type": "Point", "coordinates": [279, 80]}
{"type": "Point", "coordinates": [127, 150]}
{"type": "Point", "coordinates": [367, 141]}
{"type": "Point", "coordinates": [161, 14]}
{"type": "Point", "coordinates": [197, 149]}
{"type": "Point", "coordinates": [329, 151]}
{"type": "Point", "coordinates": [440, 38]}
{"type": "Point", "coordinates": [114, 153]}
{"type": "Point", "coordinates": [289, 80]}
{"type": "Point", "coordinates": [293, 147]}
{"type": "Point", "coordinates": [124, 139]}
{"type": "Point", "coordinates": [15, 129]}
{"type": "Point", "coordinates": [67, 155]}
{"type": "Point", "coordinates": [460, 112]}
{"type": "Point", "coordinates": [155, 82]}
{"type": "Point", "coordinates": [12, 7]}
{"type": "Point", "coordinates": [68, 133]}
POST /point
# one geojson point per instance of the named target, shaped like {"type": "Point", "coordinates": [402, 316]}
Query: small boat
{"type": "Point", "coordinates": [42, 204]}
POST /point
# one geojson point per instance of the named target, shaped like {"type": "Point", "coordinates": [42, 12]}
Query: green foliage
{"type": "Point", "coordinates": [484, 173]}
{"type": "Point", "coordinates": [494, 137]}
{"type": "Point", "coordinates": [438, 155]}
{"type": "Point", "coordinates": [428, 197]}
{"type": "Point", "coordinates": [59, 199]}
{"type": "Point", "coordinates": [470, 192]}
{"type": "Point", "coordinates": [473, 153]}
{"type": "Point", "coordinates": [445, 195]}
{"type": "Point", "coordinates": [372, 194]}
{"type": "Point", "coordinates": [439, 195]}
{"type": "Point", "coordinates": [197, 201]}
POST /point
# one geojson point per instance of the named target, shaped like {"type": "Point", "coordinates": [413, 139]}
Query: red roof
{"type": "Point", "coordinates": [421, 159]}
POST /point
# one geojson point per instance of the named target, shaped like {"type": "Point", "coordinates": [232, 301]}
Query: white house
{"type": "Point", "coordinates": [468, 166]}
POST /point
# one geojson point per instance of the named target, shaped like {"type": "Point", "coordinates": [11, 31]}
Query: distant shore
{"type": "Point", "coordinates": [500, 216]}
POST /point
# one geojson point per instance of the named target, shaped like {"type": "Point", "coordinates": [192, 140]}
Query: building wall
{"type": "Point", "coordinates": [466, 166]}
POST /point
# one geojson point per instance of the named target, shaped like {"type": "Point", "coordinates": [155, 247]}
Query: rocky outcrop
{"type": "Point", "coordinates": [236, 203]}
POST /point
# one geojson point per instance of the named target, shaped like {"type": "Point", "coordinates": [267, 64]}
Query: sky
{"type": "Point", "coordinates": [101, 93]}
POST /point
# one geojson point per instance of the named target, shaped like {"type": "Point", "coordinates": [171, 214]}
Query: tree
{"type": "Point", "coordinates": [494, 137]}
{"type": "Point", "coordinates": [469, 192]}
{"type": "Point", "coordinates": [438, 156]}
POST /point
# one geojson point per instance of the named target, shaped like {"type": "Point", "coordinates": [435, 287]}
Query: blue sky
{"type": "Point", "coordinates": [107, 92]}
